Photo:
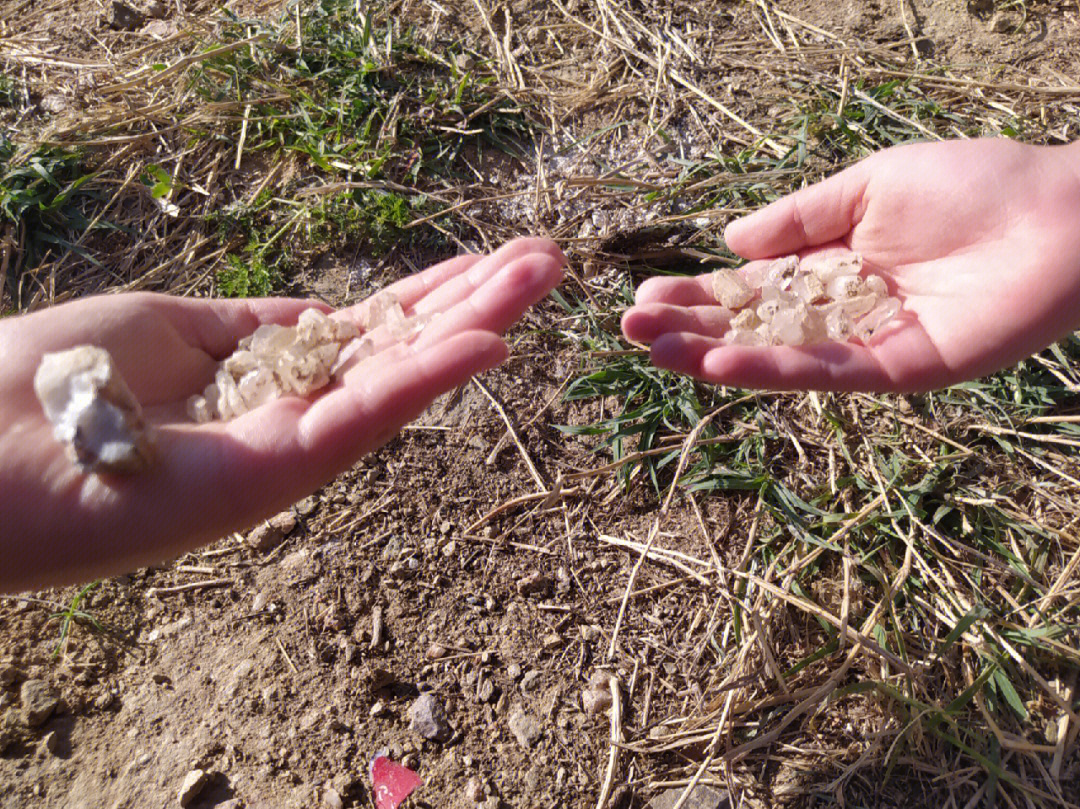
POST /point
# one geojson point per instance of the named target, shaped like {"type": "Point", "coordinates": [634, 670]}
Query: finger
{"type": "Point", "coordinates": [411, 289]}
{"type": "Point", "coordinates": [371, 407]}
{"type": "Point", "coordinates": [500, 301]}
{"type": "Point", "coordinates": [461, 288]}
{"type": "Point", "coordinates": [686, 291]}
{"type": "Point", "coordinates": [646, 323]}
{"type": "Point", "coordinates": [829, 366]}
{"type": "Point", "coordinates": [821, 213]}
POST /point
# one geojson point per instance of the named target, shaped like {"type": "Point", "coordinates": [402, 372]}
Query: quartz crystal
{"type": "Point", "coordinates": [730, 289]}
{"type": "Point", "coordinates": [276, 361]}
{"type": "Point", "coordinates": [803, 302]}
{"type": "Point", "coordinates": [93, 412]}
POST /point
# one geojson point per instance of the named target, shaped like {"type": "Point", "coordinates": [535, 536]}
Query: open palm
{"type": "Point", "coordinates": [978, 239]}
{"type": "Point", "coordinates": [58, 525]}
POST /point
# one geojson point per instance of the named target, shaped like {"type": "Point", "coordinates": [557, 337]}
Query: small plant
{"type": "Point", "coordinates": [42, 197]}
{"type": "Point", "coordinates": [250, 277]}
{"type": "Point", "coordinates": [8, 91]}
{"type": "Point", "coordinates": [72, 614]}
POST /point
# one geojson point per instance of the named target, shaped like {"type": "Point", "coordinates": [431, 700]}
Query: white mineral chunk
{"type": "Point", "coordinates": [275, 361]}
{"type": "Point", "coordinates": [791, 302]}
{"type": "Point", "coordinates": [93, 412]}
{"type": "Point", "coordinates": [870, 325]}
{"type": "Point", "coordinates": [730, 290]}
{"type": "Point", "coordinates": [781, 273]}
{"type": "Point", "coordinates": [829, 265]}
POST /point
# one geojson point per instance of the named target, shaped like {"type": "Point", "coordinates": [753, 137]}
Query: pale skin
{"type": "Point", "coordinates": [979, 239]}
{"type": "Point", "coordinates": [60, 526]}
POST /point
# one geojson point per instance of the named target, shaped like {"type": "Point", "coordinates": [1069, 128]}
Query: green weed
{"type": "Point", "coordinates": [73, 614]}
{"type": "Point", "coordinates": [42, 202]}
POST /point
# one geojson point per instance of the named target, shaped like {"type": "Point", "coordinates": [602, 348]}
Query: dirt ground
{"type": "Point", "coordinates": [430, 567]}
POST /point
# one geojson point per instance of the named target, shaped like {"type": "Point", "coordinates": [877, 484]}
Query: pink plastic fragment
{"type": "Point", "coordinates": [391, 782]}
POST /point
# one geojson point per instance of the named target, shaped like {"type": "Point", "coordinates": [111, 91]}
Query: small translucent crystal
{"type": "Point", "coordinates": [831, 264]}
{"type": "Point", "coordinates": [786, 328]}
{"type": "Point", "coordinates": [875, 285]}
{"type": "Point", "coordinates": [870, 325]}
{"type": "Point", "coordinates": [730, 290]}
{"type": "Point", "coordinates": [781, 272]}
{"type": "Point", "coordinates": [808, 288]}
{"type": "Point", "coordinates": [746, 337]}
{"type": "Point", "coordinates": [93, 412]}
{"type": "Point", "coordinates": [281, 360]}
{"type": "Point", "coordinates": [844, 286]}
{"type": "Point", "coordinates": [746, 320]}
{"type": "Point", "coordinates": [791, 302]}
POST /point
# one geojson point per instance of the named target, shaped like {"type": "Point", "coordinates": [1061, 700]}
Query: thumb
{"type": "Point", "coordinates": [819, 214]}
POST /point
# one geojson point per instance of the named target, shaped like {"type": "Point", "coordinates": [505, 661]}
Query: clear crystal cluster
{"type": "Point", "coordinates": [277, 361]}
{"type": "Point", "coordinates": [791, 302]}
{"type": "Point", "coordinates": [93, 412]}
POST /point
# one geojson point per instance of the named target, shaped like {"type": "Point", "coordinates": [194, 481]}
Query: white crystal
{"type": "Point", "coordinates": [831, 264]}
{"type": "Point", "coordinates": [844, 286]}
{"type": "Point", "coordinates": [870, 325]}
{"type": "Point", "coordinates": [93, 411]}
{"type": "Point", "coordinates": [730, 290]}
{"type": "Point", "coordinates": [875, 285]}
{"type": "Point", "coordinates": [781, 272]}
{"type": "Point", "coordinates": [746, 337]}
{"type": "Point", "coordinates": [820, 298]}
{"type": "Point", "coordinates": [280, 360]}
{"type": "Point", "coordinates": [786, 328]}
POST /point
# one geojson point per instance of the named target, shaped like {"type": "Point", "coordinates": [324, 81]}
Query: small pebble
{"type": "Point", "coordinates": [427, 717]}
{"type": "Point", "coordinates": [194, 781]}
{"type": "Point", "coordinates": [474, 790]}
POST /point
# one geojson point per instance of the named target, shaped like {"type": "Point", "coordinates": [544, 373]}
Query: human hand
{"type": "Point", "coordinates": [59, 526]}
{"type": "Point", "coordinates": [979, 239]}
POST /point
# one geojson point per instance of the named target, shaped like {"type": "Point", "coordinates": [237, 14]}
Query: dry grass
{"type": "Point", "coordinates": [860, 600]}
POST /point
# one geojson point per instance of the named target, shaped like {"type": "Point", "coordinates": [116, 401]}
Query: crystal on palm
{"type": "Point", "coordinates": [276, 361]}
{"type": "Point", "coordinates": [93, 411]}
{"type": "Point", "coordinates": [730, 290]}
{"type": "Point", "coordinates": [822, 297]}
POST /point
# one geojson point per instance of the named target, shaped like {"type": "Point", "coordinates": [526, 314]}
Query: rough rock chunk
{"type": "Point", "coordinates": [38, 701]}
{"type": "Point", "coordinates": [93, 412]}
{"type": "Point", "coordinates": [701, 797]}
{"type": "Point", "coordinates": [428, 718]}
{"type": "Point", "coordinates": [193, 784]}
{"type": "Point", "coordinates": [525, 728]}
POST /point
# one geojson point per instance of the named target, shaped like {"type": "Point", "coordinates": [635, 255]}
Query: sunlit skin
{"type": "Point", "coordinates": [979, 239]}
{"type": "Point", "coordinates": [59, 526]}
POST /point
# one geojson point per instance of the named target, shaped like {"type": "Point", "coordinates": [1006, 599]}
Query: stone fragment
{"type": "Point", "coordinates": [595, 700]}
{"type": "Point", "coordinates": [535, 582]}
{"type": "Point", "coordinates": [331, 799]}
{"type": "Point", "coordinates": [54, 103]}
{"type": "Point", "coordinates": [701, 797]}
{"type": "Point", "coordinates": [193, 784]}
{"type": "Point", "coordinates": [525, 728]}
{"type": "Point", "coordinates": [269, 534]}
{"type": "Point", "coordinates": [38, 701]}
{"type": "Point", "coordinates": [474, 790]}
{"type": "Point", "coordinates": [428, 718]}
{"type": "Point", "coordinates": [8, 675]}
{"type": "Point", "coordinates": [93, 412]}
{"type": "Point", "coordinates": [51, 742]}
